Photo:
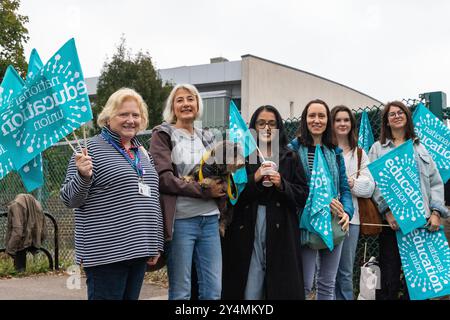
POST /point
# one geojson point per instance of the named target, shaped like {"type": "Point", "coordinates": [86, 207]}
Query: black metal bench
{"type": "Point", "coordinates": [20, 259]}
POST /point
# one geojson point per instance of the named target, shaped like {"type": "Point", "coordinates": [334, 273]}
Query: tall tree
{"type": "Point", "coordinates": [136, 72]}
{"type": "Point", "coordinates": [13, 35]}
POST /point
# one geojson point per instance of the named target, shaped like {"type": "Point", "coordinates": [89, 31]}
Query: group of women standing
{"type": "Point", "coordinates": [260, 256]}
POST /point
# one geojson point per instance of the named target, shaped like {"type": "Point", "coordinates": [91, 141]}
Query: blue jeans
{"type": "Point", "coordinates": [344, 278]}
{"type": "Point", "coordinates": [327, 263]}
{"type": "Point", "coordinates": [116, 281]}
{"type": "Point", "coordinates": [195, 239]}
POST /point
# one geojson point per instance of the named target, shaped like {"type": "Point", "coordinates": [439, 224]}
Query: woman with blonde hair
{"type": "Point", "coordinates": [190, 211]}
{"type": "Point", "coordinates": [113, 187]}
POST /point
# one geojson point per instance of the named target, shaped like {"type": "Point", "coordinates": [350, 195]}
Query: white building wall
{"type": "Point", "coordinates": [289, 89]}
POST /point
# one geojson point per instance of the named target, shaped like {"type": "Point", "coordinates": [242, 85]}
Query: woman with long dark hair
{"type": "Point", "coordinates": [396, 128]}
{"type": "Point", "coordinates": [261, 250]}
{"type": "Point", "coordinates": [315, 129]}
{"type": "Point", "coordinates": [361, 185]}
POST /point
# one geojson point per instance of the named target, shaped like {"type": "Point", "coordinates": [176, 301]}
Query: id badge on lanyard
{"type": "Point", "coordinates": [144, 189]}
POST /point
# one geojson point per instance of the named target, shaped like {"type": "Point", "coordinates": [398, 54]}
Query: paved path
{"type": "Point", "coordinates": [54, 287]}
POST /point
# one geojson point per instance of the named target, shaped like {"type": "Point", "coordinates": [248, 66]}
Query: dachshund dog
{"type": "Point", "coordinates": [219, 163]}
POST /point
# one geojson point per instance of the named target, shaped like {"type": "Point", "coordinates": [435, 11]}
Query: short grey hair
{"type": "Point", "coordinates": [169, 115]}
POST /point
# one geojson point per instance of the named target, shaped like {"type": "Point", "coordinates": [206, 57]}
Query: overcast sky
{"type": "Point", "coordinates": [388, 49]}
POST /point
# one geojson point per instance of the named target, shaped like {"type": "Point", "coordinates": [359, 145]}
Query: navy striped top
{"type": "Point", "coordinates": [113, 222]}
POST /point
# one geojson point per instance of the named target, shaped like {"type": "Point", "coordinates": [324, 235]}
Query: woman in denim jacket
{"type": "Point", "coordinates": [315, 128]}
{"type": "Point", "coordinates": [396, 128]}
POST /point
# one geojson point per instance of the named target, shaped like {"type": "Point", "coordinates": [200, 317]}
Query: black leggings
{"type": "Point", "coordinates": [390, 267]}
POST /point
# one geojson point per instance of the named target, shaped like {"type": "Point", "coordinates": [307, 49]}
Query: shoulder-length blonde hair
{"type": "Point", "coordinates": [116, 100]}
{"type": "Point", "coordinates": [169, 115]}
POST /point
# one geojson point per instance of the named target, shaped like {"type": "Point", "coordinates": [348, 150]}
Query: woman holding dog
{"type": "Point", "coordinates": [191, 224]}
{"type": "Point", "coordinates": [261, 250]}
{"type": "Point", "coordinates": [315, 129]}
{"type": "Point", "coordinates": [397, 127]}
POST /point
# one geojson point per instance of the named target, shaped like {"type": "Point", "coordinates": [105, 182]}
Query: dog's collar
{"type": "Point", "coordinates": [230, 179]}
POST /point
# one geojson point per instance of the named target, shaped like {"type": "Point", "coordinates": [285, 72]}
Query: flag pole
{"type": "Point", "coordinates": [357, 171]}
{"type": "Point", "coordinates": [376, 225]}
{"type": "Point", "coordinates": [260, 154]}
{"type": "Point", "coordinates": [78, 142]}
{"type": "Point", "coordinates": [70, 145]}
{"type": "Point", "coordinates": [84, 137]}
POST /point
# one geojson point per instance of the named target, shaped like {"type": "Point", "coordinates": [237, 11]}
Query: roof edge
{"type": "Point", "coordinates": [309, 73]}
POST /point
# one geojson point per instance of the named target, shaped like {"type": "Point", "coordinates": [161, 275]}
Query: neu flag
{"type": "Point", "coordinates": [49, 107]}
{"type": "Point", "coordinates": [435, 136]}
{"type": "Point", "coordinates": [9, 88]}
{"type": "Point", "coordinates": [365, 135]}
{"type": "Point", "coordinates": [316, 215]}
{"type": "Point", "coordinates": [397, 178]}
{"type": "Point", "coordinates": [32, 173]}
{"type": "Point", "coordinates": [34, 65]}
{"type": "Point", "coordinates": [425, 259]}
{"type": "Point", "coordinates": [238, 132]}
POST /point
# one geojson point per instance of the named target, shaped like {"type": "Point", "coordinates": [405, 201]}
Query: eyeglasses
{"type": "Point", "coordinates": [261, 124]}
{"type": "Point", "coordinates": [399, 113]}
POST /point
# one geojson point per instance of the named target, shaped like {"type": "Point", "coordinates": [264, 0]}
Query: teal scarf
{"type": "Point", "coordinates": [330, 157]}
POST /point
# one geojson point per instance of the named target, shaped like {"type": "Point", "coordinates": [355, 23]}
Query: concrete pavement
{"type": "Point", "coordinates": [61, 287]}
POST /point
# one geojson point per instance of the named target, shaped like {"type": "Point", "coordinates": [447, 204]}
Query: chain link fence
{"type": "Point", "coordinates": [57, 158]}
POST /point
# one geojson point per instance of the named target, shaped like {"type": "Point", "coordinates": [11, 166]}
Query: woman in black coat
{"type": "Point", "coordinates": [261, 247]}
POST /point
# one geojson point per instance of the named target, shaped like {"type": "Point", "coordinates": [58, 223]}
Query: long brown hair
{"type": "Point", "coordinates": [303, 134]}
{"type": "Point", "coordinates": [386, 132]}
{"type": "Point", "coordinates": [352, 137]}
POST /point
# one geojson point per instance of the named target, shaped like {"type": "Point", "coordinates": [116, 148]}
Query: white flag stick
{"type": "Point", "coordinates": [84, 137]}
{"type": "Point", "coordinates": [376, 224]}
{"type": "Point", "coordinates": [357, 171]}
{"type": "Point", "coordinates": [70, 145]}
{"type": "Point", "coordinates": [78, 142]}
{"type": "Point", "coordinates": [365, 251]}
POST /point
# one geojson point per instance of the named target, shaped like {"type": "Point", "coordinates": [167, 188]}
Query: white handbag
{"type": "Point", "coordinates": [369, 280]}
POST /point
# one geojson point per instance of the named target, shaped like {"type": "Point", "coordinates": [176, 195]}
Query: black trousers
{"type": "Point", "coordinates": [390, 267]}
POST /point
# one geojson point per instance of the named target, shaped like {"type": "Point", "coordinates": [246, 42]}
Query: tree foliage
{"type": "Point", "coordinates": [13, 35]}
{"type": "Point", "coordinates": [136, 72]}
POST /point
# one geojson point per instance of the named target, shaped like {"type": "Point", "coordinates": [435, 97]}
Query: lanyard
{"type": "Point", "coordinates": [137, 165]}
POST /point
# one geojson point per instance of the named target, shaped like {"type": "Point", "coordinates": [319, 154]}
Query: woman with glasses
{"type": "Point", "coordinates": [315, 129]}
{"type": "Point", "coordinates": [261, 251]}
{"type": "Point", "coordinates": [396, 128]}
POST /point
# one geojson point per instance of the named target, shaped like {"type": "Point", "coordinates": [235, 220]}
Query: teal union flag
{"type": "Point", "coordinates": [425, 260]}
{"type": "Point", "coordinates": [11, 85]}
{"type": "Point", "coordinates": [316, 216]}
{"type": "Point", "coordinates": [365, 135]}
{"type": "Point", "coordinates": [238, 132]}
{"type": "Point", "coordinates": [49, 107]}
{"type": "Point", "coordinates": [435, 136]}
{"type": "Point", "coordinates": [32, 173]}
{"type": "Point", "coordinates": [397, 177]}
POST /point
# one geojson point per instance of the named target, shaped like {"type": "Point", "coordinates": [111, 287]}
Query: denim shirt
{"type": "Point", "coordinates": [431, 183]}
{"type": "Point", "coordinates": [337, 169]}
